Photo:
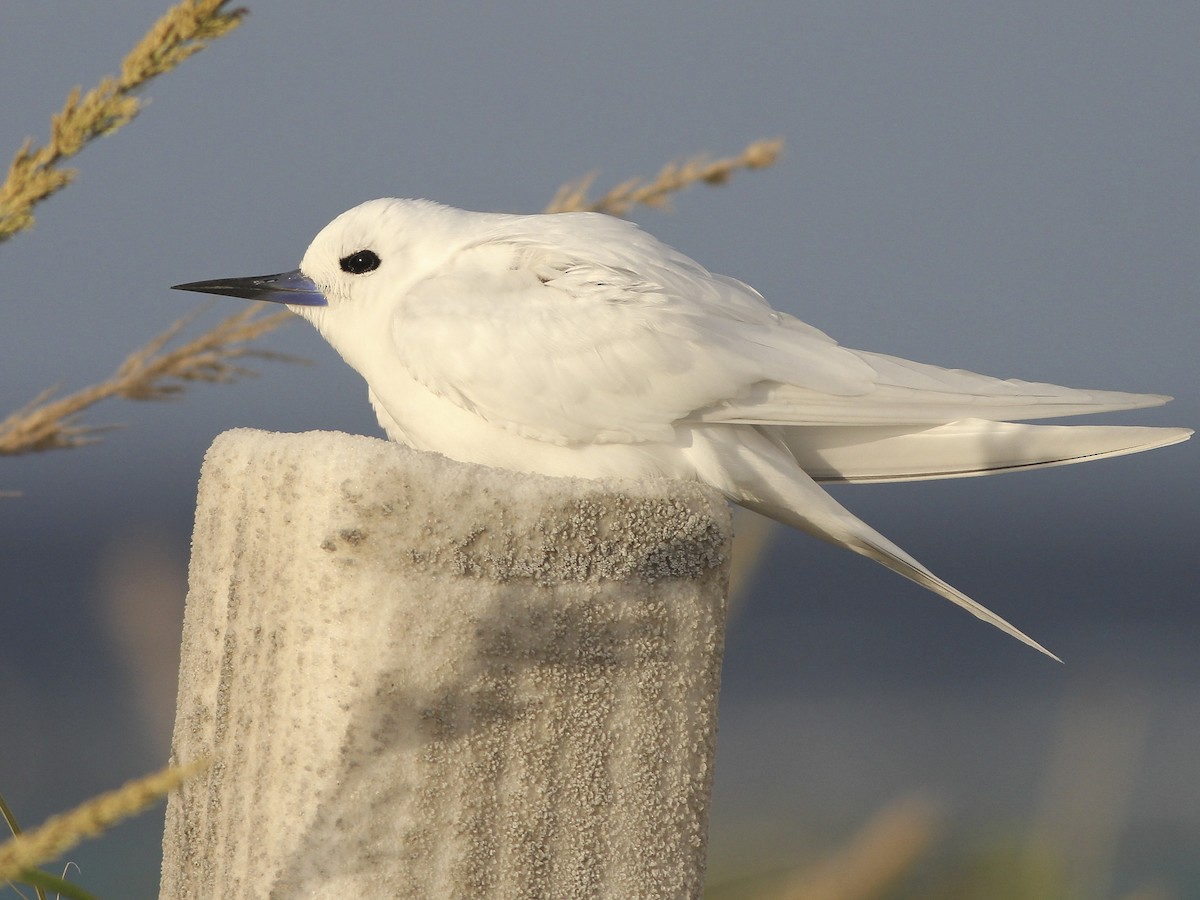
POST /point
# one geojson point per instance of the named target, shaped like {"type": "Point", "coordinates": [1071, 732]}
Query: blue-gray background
{"type": "Point", "coordinates": [1010, 188]}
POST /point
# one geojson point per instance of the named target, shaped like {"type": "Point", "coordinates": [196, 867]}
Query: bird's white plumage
{"type": "Point", "coordinates": [576, 344]}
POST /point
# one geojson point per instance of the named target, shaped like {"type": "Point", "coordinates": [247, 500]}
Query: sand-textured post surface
{"type": "Point", "coordinates": [419, 678]}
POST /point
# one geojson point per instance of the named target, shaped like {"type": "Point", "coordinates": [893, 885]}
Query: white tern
{"type": "Point", "coordinates": [577, 344]}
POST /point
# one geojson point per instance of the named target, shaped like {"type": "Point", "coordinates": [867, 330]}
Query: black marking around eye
{"type": "Point", "coordinates": [360, 263]}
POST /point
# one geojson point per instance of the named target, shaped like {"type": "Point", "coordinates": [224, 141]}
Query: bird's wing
{"type": "Point", "coordinates": [558, 346]}
{"type": "Point", "coordinates": [908, 392]}
{"type": "Point", "coordinates": [596, 332]}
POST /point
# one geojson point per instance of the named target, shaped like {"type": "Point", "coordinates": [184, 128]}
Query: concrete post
{"type": "Point", "coordinates": [418, 678]}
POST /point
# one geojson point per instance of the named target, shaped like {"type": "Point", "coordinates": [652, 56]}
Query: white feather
{"type": "Point", "coordinates": [875, 453]}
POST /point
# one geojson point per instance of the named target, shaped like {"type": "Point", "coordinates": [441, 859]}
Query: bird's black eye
{"type": "Point", "coordinates": [360, 263]}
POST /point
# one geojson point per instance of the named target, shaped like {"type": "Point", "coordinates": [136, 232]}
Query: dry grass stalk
{"type": "Point", "coordinates": [149, 373]}
{"type": "Point", "coordinates": [34, 173]}
{"type": "Point", "coordinates": [59, 834]}
{"type": "Point", "coordinates": [875, 858]}
{"type": "Point", "coordinates": [673, 177]}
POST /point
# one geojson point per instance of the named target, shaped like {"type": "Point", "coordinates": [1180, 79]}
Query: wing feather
{"type": "Point", "coordinates": [571, 348]}
{"type": "Point", "coordinates": [875, 453]}
{"type": "Point", "coordinates": [583, 329]}
{"type": "Point", "coordinates": [907, 392]}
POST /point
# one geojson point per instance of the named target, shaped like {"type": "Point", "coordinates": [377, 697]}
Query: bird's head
{"type": "Point", "coordinates": [357, 264]}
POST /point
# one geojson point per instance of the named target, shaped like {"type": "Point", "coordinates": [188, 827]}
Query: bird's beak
{"type": "Point", "coordinates": [292, 288]}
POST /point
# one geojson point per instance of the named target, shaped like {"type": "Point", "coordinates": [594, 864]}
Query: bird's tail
{"type": "Point", "coordinates": [761, 474]}
{"type": "Point", "coordinates": [875, 453]}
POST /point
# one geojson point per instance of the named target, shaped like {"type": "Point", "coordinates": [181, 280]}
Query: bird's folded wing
{"type": "Point", "coordinates": [871, 453]}
{"type": "Point", "coordinates": [903, 391]}
{"type": "Point", "coordinates": [570, 351]}
{"type": "Point", "coordinates": [605, 335]}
